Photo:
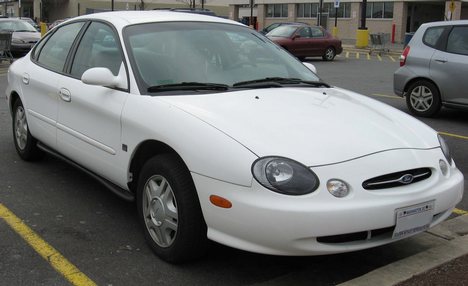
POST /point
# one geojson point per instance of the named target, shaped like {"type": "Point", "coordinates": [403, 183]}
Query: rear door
{"type": "Point", "coordinates": [449, 67]}
{"type": "Point", "coordinates": [41, 79]}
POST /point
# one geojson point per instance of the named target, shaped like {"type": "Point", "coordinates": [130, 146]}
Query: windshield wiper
{"type": "Point", "coordinates": [278, 82]}
{"type": "Point", "coordinates": [188, 86]}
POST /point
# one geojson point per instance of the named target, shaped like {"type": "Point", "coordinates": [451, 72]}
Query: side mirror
{"type": "Point", "coordinates": [104, 77]}
{"type": "Point", "coordinates": [311, 67]}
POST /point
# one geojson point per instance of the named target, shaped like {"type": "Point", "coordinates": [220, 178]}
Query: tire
{"type": "Point", "coordinates": [25, 143]}
{"type": "Point", "coordinates": [329, 54]}
{"type": "Point", "coordinates": [423, 99]}
{"type": "Point", "coordinates": [169, 210]}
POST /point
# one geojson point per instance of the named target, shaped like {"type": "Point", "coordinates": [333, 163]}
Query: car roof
{"type": "Point", "coordinates": [125, 18]}
{"type": "Point", "coordinates": [446, 23]}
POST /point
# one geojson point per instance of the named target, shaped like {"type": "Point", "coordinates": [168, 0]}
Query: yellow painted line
{"type": "Point", "coordinates": [453, 135]}
{"type": "Point", "coordinates": [50, 254]}
{"type": "Point", "coordinates": [379, 57]}
{"type": "Point", "coordinates": [460, 212]}
{"type": "Point", "coordinates": [347, 54]}
{"type": "Point", "coordinates": [368, 57]}
{"type": "Point", "coordinates": [392, 58]}
{"type": "Point", "coordinates": [388, 96]}
{"type": "Point", "coordinates": [357, 56]}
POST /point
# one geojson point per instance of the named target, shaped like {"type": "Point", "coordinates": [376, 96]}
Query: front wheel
{"type": "Point", "coordinates": [423, 99]}
{"type": "Point", "coordinates": [329, 54]}
{"type": "Point", "coordinates": [25, 143]}
{"type": "Point", "coordinates": [169, 210]}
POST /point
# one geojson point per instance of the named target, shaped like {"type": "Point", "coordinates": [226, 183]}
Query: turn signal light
{"type": "Point", "coordinates": [220, 202]}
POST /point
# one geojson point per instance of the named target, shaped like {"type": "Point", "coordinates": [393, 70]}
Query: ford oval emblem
{"type": "Point", "coordinates": [406, 179]}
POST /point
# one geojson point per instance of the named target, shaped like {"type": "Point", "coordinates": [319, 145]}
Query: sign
{"type": "Point", "coordinates": [452, 6]}
{"type": "Point", "coordinates": [337, 3]}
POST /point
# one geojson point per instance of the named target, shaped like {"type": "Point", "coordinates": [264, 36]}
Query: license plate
{"type": "Point", "coordinates": [413, 219]}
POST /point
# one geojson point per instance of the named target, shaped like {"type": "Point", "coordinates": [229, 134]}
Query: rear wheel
{"type": "Point", "coordinates": [329, 54]}
{"type": "Point", "coordinates": [25, 143]}
{"type": "Point", "coordinates": [170, 211]}
{"type": "Point", "coordinates": [423, 99]}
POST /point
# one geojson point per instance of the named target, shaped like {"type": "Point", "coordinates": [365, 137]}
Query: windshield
{"type": "Point", "coordinates": [208, 55]}
{"type": "Point", "coordinates": [283, 31]}
{"type": "Point", "coordinates": [17, 26]}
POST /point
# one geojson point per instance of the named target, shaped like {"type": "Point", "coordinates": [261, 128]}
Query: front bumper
{"type": "Point", "coordinates": [266, 222]}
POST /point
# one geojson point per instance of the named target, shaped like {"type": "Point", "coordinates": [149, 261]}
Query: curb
{"type": "Point", "coordinates": [454, 231]}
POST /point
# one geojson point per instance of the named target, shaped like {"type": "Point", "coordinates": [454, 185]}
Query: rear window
{"type": "Point", "coordinates": [457, 42]}
{"type": "Point", "coordinates": [432, 36]}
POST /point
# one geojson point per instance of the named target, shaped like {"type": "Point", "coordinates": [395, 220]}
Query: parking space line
{"type": "Point", "coordinates": [347, 54]}
{"type": "Point", "coordinates": [388, 96]}
{"type": "Point", "coordinates": [357, 56]}
{"type": "Point", "coordinates": [379, 57]}
{"type": "Point", "coordinates": [453, 135]}
{"type": "Point", "coordinates": [460, 212]}
{"type": "Point", "coordinates": [368, 56]}
{"type": "Point", "coordinates": [392, 58]}
{"type": "Point", "coordinates": [50, 254]}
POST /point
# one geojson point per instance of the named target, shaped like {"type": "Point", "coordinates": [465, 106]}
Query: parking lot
{"type": "Point", "coordinates": [88, 235]}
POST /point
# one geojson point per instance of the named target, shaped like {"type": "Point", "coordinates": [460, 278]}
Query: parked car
{"type": "Point", "coordinates": [24, 35]}
{"type": "Point", "coordinates": [217, 133]}
{"type": "Point", "coordinates": [30, 21]}
{"type": "Point", "coordinates": [433, 68]}
{"type": "Point", "coordinates": [270, 27]}
{"type": "Point", "coordinates": [306, 41]}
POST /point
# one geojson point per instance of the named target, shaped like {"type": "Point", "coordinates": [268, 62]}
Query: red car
{"type": "Point", "coordinates": [306, 41]}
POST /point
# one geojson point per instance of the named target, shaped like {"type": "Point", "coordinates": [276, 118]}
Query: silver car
{"type": "Point", "coordinates": [434, 67]}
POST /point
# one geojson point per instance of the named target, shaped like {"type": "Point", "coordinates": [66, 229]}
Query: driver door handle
{"type": "Point", "coordinates": [65, 94]}
{"type": "Point", "coordinates": [441, 60]}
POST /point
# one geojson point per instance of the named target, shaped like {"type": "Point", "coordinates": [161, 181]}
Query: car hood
{"type": "Point", "coordinates": [27, 36]}
{"type": "Point", "coordinates": [314, 126]}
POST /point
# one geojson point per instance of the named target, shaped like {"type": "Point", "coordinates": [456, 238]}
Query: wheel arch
{"type": "Point", "coordinates": [145, 151]}
{"type": "Point", "coordinates": [14, 96]}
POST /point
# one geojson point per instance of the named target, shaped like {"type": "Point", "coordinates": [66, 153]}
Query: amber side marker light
{"type": "Point", "coordinates": [220, 202]}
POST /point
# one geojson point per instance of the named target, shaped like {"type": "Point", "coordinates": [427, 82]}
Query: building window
{"type": "Point", "coordinates": [307, 10]}
{"type": "Point", "coordinates": [379, 10]}
{"type": "Point", "coordinates": [310, 10]}
{"type": "Point", "coordinates": [344, 11]}
{"type": "Point", "coordinates": [277, 10]}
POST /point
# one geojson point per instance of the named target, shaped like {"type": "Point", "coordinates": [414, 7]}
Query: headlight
{"type": "Point", "coordinates": [17, 41]}
{"type": "Point", "coordinates": [285, 176]}
{"type": "Point", "coordinates": [445, 149]}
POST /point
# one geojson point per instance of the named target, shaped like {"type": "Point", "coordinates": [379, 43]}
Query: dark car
{"type": "Point", "coordinates": [269, 28]}
{"type": "Point", "coordinates": [24, 35]}
{"type": "Point", "coordinates": [306, 41]}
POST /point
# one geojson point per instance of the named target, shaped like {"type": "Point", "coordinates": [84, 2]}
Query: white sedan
{"type": "Point", "coordinates": [219, 134]}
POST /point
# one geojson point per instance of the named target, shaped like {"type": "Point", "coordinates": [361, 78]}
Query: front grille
{"type": "Point", "coordinates": [397, 179]}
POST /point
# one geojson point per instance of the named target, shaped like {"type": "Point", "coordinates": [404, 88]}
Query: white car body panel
{"type": "Point", "coordinates": [336, 133]}
{"type": "Point", "coordinates": [319, 120]}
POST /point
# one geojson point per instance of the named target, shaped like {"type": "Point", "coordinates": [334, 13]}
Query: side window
{"type": "Point", "coordinates": [457, 42]}
{"type": "Point", "coordinates": [55, 50]}
{"type": "Point", "coordinates": [98, 48]}
{"type": "Point", "coordinates": [432, 35]}
{"type": "Point", "coordinates": [317, 33]}
{"type": "Point", "coordinates": [38, 47]}
{"type": "Point", "coordinates": [304, 32]}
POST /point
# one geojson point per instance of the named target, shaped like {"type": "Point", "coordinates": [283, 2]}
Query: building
{"type": "Point", "coordinates": [397, 18]}
{"type": "Point", "coordinates": [393, 17]}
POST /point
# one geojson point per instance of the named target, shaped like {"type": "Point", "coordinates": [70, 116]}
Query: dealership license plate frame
{"type": "Point", "coordinates": [413, 219]}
